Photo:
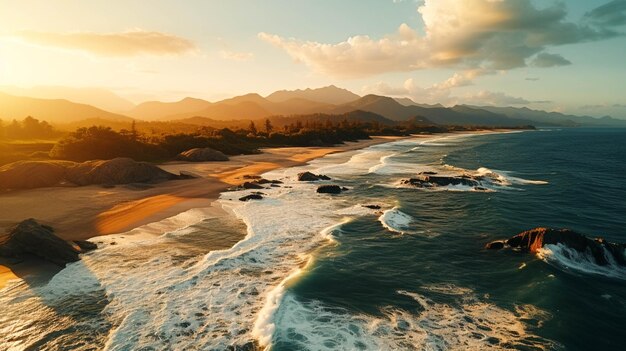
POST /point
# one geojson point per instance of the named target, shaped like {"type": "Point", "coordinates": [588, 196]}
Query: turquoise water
{"type": "Point", "coordinates": [463, 289]}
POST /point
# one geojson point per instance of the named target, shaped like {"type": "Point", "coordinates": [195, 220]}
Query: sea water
{"type": "Point", "coordinates": [323, 272]}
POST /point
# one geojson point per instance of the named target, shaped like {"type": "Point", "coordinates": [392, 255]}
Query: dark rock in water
{"type": "Point", "coordinates": [251, 185]}
{"type": "Point", "coordinates": [429, 181]}
{"type": "Point", "coordinates": [249, 346]}
{"type": "Point", "coordinates": [251, 197]}
{"type": "Point", "coordinates": [329, 189]}
{"type": "Point", "coordinates": [534, 239]}
{"type": "Point", "coordinates": [495, 245]}
{"type": "Point", "coordinates": [30, 237]}
{"type": "Point", "coordinates": [372, 207]}
{"type": "Point", "coordinates": [480, 188]}
{"type": "Point", "coordinates": [251, 176]}
{"type": "Point", "coordinates": [343, 188]}
{"type": "Point", "coordinates": [428, 173]}
{"type": "Point", "coordinates": [267, 181]}
{"type": "Point", "coordinates": [202, 155]}
{"type": "Point", "coordinates": [310, 177]}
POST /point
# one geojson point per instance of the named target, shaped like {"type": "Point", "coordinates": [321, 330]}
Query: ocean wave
{"type": "Point", "coordinates": [396, 221]}
{"type": "Point", "coordinates": [571, 260]}
{"type": "Point", "coordinates": [469, 324]}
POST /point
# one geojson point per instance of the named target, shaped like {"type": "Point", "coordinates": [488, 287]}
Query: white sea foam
{"type": "Point", "coordinates": [469, 324]}
{"type": "Point", "coordinates": [582, 262]}
{"type": "Point", "coordinates": [396, 221]}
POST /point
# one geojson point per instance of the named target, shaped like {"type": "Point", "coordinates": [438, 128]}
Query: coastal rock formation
{"type": "Point", "coordinates": [429, 180]}
{"type": "Point", "coordinates": [117, 171]}
{"type": "Point", "coordinates": [372, 207]}
{"type": "Point", "coordinates": [252, 185]}
{"type": "Point", "coordinates": [251, 197]}
{"type": "Point", "coordinates": [201, 155]}
{"type": "Point", "coordinates": [310, 177]}
{"type": "Point", "coordinates": [329, 189]}
{"type": "Point", "coordinates": [30, 237]}
{"type": "Point", "coordinates": [33, 174]}
{"type": "Point", "coordinates": [535, 239]}
{"type": "Point", "coordinates": [38, 174]}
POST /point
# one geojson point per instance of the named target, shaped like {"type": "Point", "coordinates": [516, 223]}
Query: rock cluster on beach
{"type": "Point", "coordinates": [534, 239]}
{"type": "Point", "coordinates": [30, 237]}
{"type": "Point", "coordinates": [36, 174]}
{"type": "Point", "coordinates": [202, 155]}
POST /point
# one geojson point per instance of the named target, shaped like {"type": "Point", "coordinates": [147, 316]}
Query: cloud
{"type": "Point", "coordinates": [442, 92]}
{"type": "Point", "coordinates": [468, 34]}
{"type": "Point", "coordinates": [236, 56]}
{"type": "Point", "coordinates": [544, 60]}
{"type": "Point", "coordinates": [130, 43]}
{"type": "Point", "coordinates": [493, 98]}
{"type": "Point", "coordinates": [610, 14]}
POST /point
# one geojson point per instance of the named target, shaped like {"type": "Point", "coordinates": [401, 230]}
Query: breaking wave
{"type": "Point", "coordinates": [569, 259]}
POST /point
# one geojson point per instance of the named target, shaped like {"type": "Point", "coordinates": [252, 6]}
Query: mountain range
{"type": "Point", "coordinates": [327, 101]}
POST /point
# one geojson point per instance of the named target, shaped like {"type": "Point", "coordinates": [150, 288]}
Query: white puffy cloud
{"type": "Point", "coordinates": [129, 43]}
{"type": "Point", "coordinates": [462, 34]}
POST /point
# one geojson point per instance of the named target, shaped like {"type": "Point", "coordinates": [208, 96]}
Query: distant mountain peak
{"type": "Point", "coordinates": [330, 94]}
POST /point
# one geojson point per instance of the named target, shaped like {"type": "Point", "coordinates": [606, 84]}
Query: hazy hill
{"type": "Point", "coordinates": [392, 109]}
{"type": "Point", "coordinates": [553, 118]}
{"type": "Point", "coordinates": [97, 97]}
{"type": "Point", "coordinates": [252, 106]}
{"type": "Point", "coordinates": [408, 102]}
{"type": "Point", "coordinates": [360, 116]}
{"type": "Point", "coordinates": [53, 111]}
{"type": "Point", "coordinates": [327, 95]}
{"type": "Point", "coordinates": [154, 110]}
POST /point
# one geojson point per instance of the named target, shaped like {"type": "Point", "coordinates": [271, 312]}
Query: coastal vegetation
{"type": "Point", "coordinates": [163, 141]}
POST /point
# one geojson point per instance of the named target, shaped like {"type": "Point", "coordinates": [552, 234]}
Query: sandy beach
{"type": "Point", "coordinates": [79, 213]}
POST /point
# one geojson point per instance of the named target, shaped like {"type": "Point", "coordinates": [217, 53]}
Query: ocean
{"type": "Point", "coordinates": [323, 272]}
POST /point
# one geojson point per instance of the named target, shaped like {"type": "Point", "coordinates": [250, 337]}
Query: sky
{"type": "Point", "coordinates": [567, 56]}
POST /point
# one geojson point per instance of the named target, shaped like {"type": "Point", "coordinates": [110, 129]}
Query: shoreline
{"type": "Point", "coordinates": [81, 213]}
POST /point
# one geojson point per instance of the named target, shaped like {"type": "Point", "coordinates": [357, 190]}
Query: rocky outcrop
{"type": "Point", "coordinates": [330, 189]}
{"type": "Point", "coordinates": [33, 174]}
{"type": "Point", "coordinates": [251, 197]}
{"type": "Point", "coordinates": [202, 155]}
{"type": "Point", "coordinates": [38, 174]}
{"type": "Point", "coordinates": [310, 177]}
{"type": "Point", "coordinates": [252, 185]}
{"type": "Point", "coordinates": [534, 239]}
{"type": "Point", "coordinates": [30, 237]}
{"type": "Point", "coordinates": [429, 181]}
{"type": "Point", "coordinates": [117, 171]}
{"type": "Point", "coordinates": [372, 207]}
